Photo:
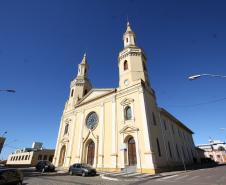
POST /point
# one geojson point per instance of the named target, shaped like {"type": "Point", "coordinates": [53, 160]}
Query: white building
{"type": "Point", "coordinates": [30, 156]}
{"type": "Point", "coordinates": [215, 149]}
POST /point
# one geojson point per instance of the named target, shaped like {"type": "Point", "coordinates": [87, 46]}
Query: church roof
{"type": "Point", "coordinates": [95, 94]}
{"type": "Point", "coordinates": [179, 123]}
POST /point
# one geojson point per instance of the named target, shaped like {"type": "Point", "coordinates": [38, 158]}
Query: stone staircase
{"type": "Point", "coordinates": [130, 169]}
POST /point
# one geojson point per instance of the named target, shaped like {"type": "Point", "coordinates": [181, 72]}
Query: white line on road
{"type": "Point", "coordinates": [121, 174]}
{"type": "Point", "coordinates": [108, 178]}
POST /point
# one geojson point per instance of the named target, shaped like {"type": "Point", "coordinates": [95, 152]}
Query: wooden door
{"type": "Point", "coordinates": [132, 152]}
{"type": "Point", "coordinates": [62, 155]}
{"type": "Point", "coordinates": [90, 153]}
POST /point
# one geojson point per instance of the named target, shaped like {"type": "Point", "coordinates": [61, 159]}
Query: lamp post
{"type": "Point", "coordinates": [7, 90]}
{"type": "Point", "coordinates": [4, 134]}
{"type": "Point", "coordinates": [194, 77]}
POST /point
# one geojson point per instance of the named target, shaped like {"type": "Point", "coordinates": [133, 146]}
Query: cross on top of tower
{"type": "Point", "coordinates": [129, 36]}
{"type": "Point", "coordinates": [84, 60]}
{"type": "Point", "coordinates": [128, 27]}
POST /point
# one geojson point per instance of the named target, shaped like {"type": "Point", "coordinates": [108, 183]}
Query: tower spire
{"type": "Point", "coordinates": [81, 85]}
{"type": "Point", "coordinates": [84, 60]}
{"type": "Point", "coordinates": [128, 27]}
{"type": "Point", "coordinates": [132, 61]}
{"type": "Point", "coordinates": [129, 36]}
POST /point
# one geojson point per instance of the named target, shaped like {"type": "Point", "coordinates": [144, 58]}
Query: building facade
{"type": "Point", "coordinates": [215, 150]}
{"type": "Point", "coordinates": [117, 128]}
{"type": "Point", "coordinates": [29, 156]}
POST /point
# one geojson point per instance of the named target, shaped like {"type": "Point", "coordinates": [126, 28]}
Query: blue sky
{"type": "Point", "coordinates": [42, 42]}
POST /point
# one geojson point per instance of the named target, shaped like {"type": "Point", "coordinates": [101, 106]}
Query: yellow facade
{"type": "Point", "coordinates": [119, 128]}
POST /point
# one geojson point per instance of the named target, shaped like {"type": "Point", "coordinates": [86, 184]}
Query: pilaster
{"type": "Point", "coordinates": [101, 139]}
{"type": "Point", "coordinates": [57, 150]}
{"type": "Point", "coordinates": [71, 139]}
{"type": "Point", "coordinates": [148, 154]}
{"type": "Point", "coordinates": [114, 134]}
{"type": "Point", "coordinates": [80, 145]}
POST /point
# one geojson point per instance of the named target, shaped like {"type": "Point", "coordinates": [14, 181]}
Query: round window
{"type": "Point", "coordinates": [92, 120]}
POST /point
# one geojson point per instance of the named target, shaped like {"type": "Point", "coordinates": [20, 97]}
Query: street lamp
{"type": "Point", "coordinates": [194, 77]}
{"type": "Point", "coordinates": [8, 90]}
{"type": "Point", "coordinates": [4, 134]}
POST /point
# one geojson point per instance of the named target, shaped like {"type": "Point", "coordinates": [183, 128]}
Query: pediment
{"type": "Point", "coordinates": [64, 140]}
{"type": "Point", "coordinates": [128, 130]}
{"type": "Point", "coordinates": [90, 135]}
{"type": "Point", "coordinates": [127, 101]}
{"type": "Point", "coordinates": [94, 94]}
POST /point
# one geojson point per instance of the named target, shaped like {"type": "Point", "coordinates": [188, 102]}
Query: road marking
{"type": "Point", "coordinates": [168, 177]}
{"type": "Point", "coordinates": [122, 174]}
{"type": "Point", "coordinates": [195, 177]}
{"type": "Point", "coordinates": [108, 178]}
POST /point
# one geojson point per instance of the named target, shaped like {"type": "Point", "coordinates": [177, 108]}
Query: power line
{"type": "Point", "coordinates": [202, 103]}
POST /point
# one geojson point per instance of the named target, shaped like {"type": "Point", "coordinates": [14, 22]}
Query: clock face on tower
{"type": "Point", "coordinates": [92, 120]}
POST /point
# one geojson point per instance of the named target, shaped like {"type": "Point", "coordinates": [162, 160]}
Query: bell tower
{"type": "Point", "coordinates": [132, 61]}
{"type": "Point", "coordinates": [81, 85]}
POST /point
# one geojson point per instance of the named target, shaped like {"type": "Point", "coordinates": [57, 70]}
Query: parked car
{"type": "Point", "coordinates": [45, 166]}
{"type": "Point", "coordinates": [9, 176]}
{"type": "Point", "coordinates": [82, 169]}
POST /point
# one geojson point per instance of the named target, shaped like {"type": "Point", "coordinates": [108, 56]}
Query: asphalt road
{"type": "Point", "coordinates": [209, 176]}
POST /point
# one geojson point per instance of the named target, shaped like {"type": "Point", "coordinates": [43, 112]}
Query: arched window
{"type": "Point", "coordinates": [128, 113]}
{"type": "Point", "coordinates": [221, 148]}
{"type": "Point", "coordinates": [72, 92]}
{"type": "Point", "coordinates": [85, 92]}
{"type": "Point", "coordinates": [66, 129]}
{"type": "Point", "coordinates": [158, 147]}
{"type": "Point", "coordinates": [125, 65]}
{"type": "Point", "coordinates": [127, 40]}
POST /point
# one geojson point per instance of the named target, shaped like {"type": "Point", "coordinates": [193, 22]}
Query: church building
{"type": "Point", "coordinates": [114, 129]}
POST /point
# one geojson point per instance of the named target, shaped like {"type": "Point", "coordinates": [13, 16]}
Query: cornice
{"type": "Point", "coordinates": [131, 52]}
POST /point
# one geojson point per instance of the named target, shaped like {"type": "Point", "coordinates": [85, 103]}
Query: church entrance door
{"type": "Point", "coordinates": [90, 153]}
{"type": "Point", "coordinates": [132, 152]}
{"type": "Point", "coordinates": [62, 155]}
